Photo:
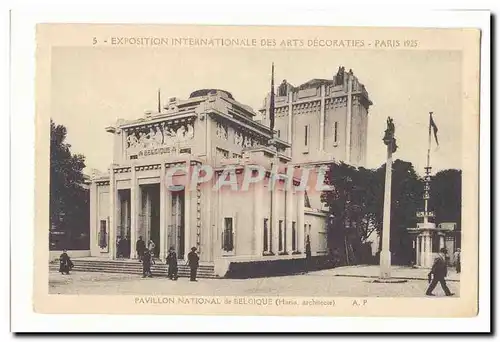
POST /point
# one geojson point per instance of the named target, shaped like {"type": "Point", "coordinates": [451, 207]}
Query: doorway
{"type": "Point", "coordinates": [150, 216]}
{"type": "Point", "coordinates": [176, 227]}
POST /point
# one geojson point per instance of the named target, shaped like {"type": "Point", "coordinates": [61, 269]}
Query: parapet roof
{"type": "Point", "coordinates": [206, 92]}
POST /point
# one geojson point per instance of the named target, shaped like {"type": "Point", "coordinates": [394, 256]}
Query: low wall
{"type": "Point", "coordinates": [54, 255]}
{"type": "Point", "coordinates": [269, 268]}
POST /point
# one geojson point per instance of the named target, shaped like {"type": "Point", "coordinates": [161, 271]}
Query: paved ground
{"type": "Point", "coordinates": [398, 272]}
{"type": "Point", "coordinates": [321, 283]}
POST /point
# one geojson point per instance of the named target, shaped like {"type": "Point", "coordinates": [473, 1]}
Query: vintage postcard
{"type": "Point", "coordinates": [233, 170]}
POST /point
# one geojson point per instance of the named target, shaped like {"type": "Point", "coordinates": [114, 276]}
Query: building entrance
{"type": "Point", "coordinates": [149, 227]}
{"type": "Point", "coordinates": [176, 227]}
{"type": "Point", "coordinates": [123, 243]}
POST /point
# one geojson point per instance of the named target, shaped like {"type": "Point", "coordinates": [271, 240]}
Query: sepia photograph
{"type": "Point", "coordinates": [269, 167]}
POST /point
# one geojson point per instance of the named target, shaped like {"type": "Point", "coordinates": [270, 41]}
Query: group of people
{"type": "Point", "coordinates": [123, 247]}
{"type": "Point", "coordinates": [146, 254]}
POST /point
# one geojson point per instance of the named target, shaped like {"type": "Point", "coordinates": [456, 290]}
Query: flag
{"type": "Point", "coordinates": [434, 129]}
{"type": "Point", "coordinates": [271, 104]}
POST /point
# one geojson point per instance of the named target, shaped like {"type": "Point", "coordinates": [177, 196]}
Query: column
{"type": "Point", "coordinates": [187, 221]}
{"type": "Point", "coordinates": [429, 250]}
{"type": "Point", "coordinates": [218, 224]}
{"type": "Point", "coordinates": [300, 222]}
{"type": "Point", "coordinates": [167, 210]}
{"type": "Point", "coordinates": [441, 242]}
{"type": "Point", "coordinates": [94, 243]}
{"type": "Point", "coordinates": [206, 222]}
{"type": "Point", "coordinates": [147, 218]}
{"type": "Point", "coordinates": [274, 221]}
{"type": "Point", "coordinates": [288, 218]}
{"type": "Point", "coordinates": [385, 253]}
{"type": "Point", "coordinates": [258, 219]}
{"type": "Point", "coordinates": [417, 250]}
{"type": "Point", "coordinates": [290, 120]}
{"type": "Point", "coordinates": [112, 214]}
{"type": "Point", "coordinates": [163, 245]}
{"type": "Point", "coordinates": [134, 192]}
{"type": "Point", "coordinates": [322, 120]}
{"type": "Point", "coordinates": [348, 121]}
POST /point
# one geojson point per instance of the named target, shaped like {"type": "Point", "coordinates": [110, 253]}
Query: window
{"type": "Point", "coordinates": [322, 243]}
{"type": "Point", "coordinates": [103, 234]}
{"type": "Point", "coordinates": [185, 150]}
{"type": "Point", "coordinates": [294, 237]}
{"type": "Point", "coordinates": [281, 236]}
{"type": "Point", "coordinates": [266, 237]}
{"type": "Point", "coordinates": [306, 135]}
{"type": "Point", "coordinates": [228, 235]}
{"type": "Point", "coordinates": [335, 132]}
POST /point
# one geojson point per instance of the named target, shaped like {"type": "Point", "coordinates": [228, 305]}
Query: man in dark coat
{"type": "Point", "coordinates": [140, 247]}
{"type": "Point", "coordinates": [146, 264]}
{"type": "Point", "coordinates": [65, 263]}
{"type": "Point", "coordinates": [172, 264]}
{"type": "Point", "coordinates": [193, 262]}
{"type": "Point", "coordinates": [438, 273]}
{"type": "Point", "coordinates": [457, 260]}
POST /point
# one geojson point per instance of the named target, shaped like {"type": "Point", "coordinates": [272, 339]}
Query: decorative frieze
{"type": "Point", "coordinates": [221, 131]}
{"type": "Point", "coordinates": [148, 167]}
{"type": "Point", "coordinates": [123, 170]}
{"type": "Point", "coordinates": [102, 183]}
{"type": "Point", "coordinates": [158, 135]}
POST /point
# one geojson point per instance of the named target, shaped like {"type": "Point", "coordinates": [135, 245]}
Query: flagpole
{"type": "Point", "coordinates": [430, 141]}
{"type": "Point", "coordinates": [427, 174]}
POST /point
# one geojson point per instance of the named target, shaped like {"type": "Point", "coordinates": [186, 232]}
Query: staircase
{"type": "Point", "coordinates": [134, 267]}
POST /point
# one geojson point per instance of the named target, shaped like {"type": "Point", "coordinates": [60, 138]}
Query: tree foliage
{"type": "Point", "coordinates": [446, 196]}
{"type": "Point", "coordinates": [69, 200]}
{"type": "Point", "coordinates": [356, 207]}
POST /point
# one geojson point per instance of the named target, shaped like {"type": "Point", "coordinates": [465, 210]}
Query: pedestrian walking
{"type": "Point", "coordinates": [146, 264]}
{"type": "Point", "coordinates": [172, 264]}
{"type": "Point", "coordinates": [140, 247]}
{"type": "Point", "coordinates": [193, 262]}
{"type": "Point", "coordinates": [438, 273]}
{"type": "Point", "coordinates": [65, 263]}
{"type": "Point", "coordinates": [457, 259]}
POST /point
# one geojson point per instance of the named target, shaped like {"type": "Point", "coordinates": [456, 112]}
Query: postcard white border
{"type": "Point", "coordinates": [22, 161]}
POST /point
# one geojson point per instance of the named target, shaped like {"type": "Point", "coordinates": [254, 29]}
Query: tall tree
{"type": "Point", "coordinates": [446, 196]}
{"type": "Point", "coordinates": [69, 200]}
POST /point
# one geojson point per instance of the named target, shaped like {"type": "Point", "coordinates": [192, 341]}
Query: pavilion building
{"type": "Point", "coordinates": [316, 123]}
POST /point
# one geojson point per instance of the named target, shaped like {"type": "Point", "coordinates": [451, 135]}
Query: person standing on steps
{"type": "Point", "coordinates": [172, 264]}
{"type": "Point", "coordinates": [146, 264]}
{"type": "Point", "coordinates": [438, 272]}
{"type": "Point", "coordinates": [65, 263]}
{"type": "Point", "coordinates": [193, 262]}
{"type": "Point", "coordinates": [140, 247]}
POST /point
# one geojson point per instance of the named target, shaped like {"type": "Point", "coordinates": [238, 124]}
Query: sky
{"type": "Point", "coordinates": [91, 87]}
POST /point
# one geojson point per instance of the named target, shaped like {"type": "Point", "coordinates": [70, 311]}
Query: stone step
{"type": "Point", "coordinates": [123, 267]}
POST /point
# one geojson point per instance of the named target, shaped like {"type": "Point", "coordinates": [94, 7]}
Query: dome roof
{"type": "Point", "coordinates": [206, 92]}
